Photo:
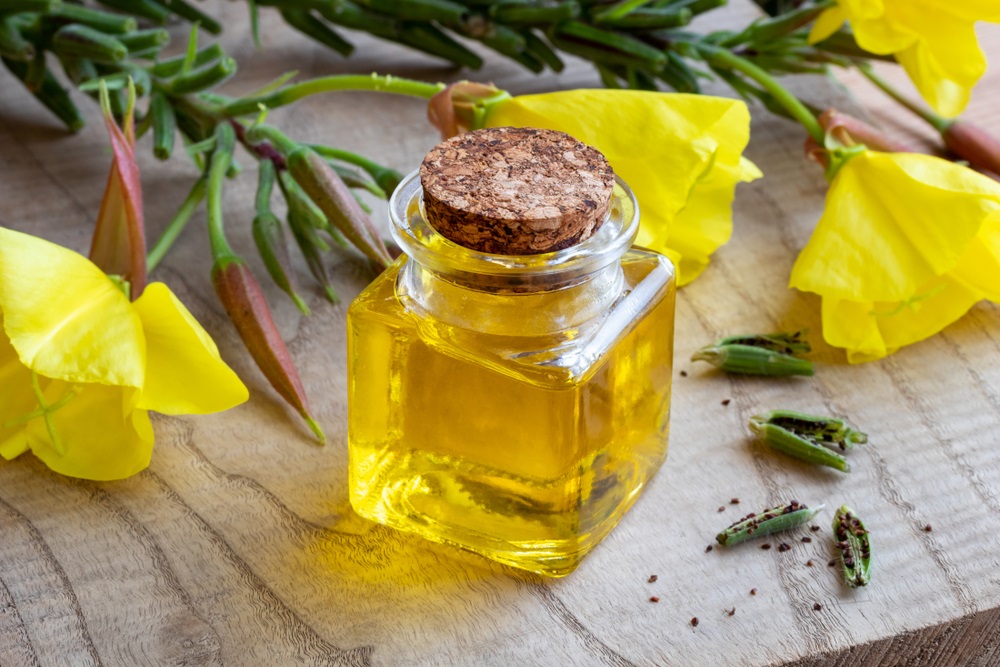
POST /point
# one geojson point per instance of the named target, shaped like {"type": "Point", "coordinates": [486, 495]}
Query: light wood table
{"type": "Point", "coordinates": [238, 546]}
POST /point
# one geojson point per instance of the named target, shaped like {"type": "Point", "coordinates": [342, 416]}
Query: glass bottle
{"type": "Point", "coordinates": [513, 405]}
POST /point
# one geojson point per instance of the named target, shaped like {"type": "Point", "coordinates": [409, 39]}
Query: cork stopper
{"type": "Point", "coordinates": [516, 191]}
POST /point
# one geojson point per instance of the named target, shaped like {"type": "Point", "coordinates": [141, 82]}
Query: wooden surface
{"type": "Point", "coordinates": [238, 547]}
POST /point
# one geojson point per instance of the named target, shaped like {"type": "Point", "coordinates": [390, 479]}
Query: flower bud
{"type": "Point", "coordinates": [322, 184]}
{"type": "Point", "coordinates": [848, 130]}
{"type": "Point", "coordinates": [245, 304]}
{"type": "Point", "coordinates": [974, 145]}
{"type": "Point", "coordinates": [461, 106]}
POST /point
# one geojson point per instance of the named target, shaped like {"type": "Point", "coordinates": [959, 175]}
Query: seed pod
{"type": "Point", "coordinates": [773, 520]}
{"type": "Point", "coordinates": [164, 126]}
{"type": "Point", "coordinates": [322, 184]}
{"type": "Point", "coordinates": [106, 22]}
{"type": "Point", "coordinates": [759, 354]}
{"type": "Point", "coordinates": [80, 41]}
{"type": "Point", "coordinates": [854, 545]}
{"type": "Point", "coordinates": [192, 14]}
{"type": "Point", "coordinates": [173, 66]}
{"type": "Point", "coordinates": [806, 437]}
{"type": "Point", "coordinates": [12, 44]}
{"type": "Point", "coordinates": [149, 9]}
{"type": "Point", "coordinates": [311, 26]}
{"type": "Point", "coordinates": [973, 144]}
{"type": "Point", "coordinates": [269, 236]}
{"type": "Point", "coordinates": [202, 78]}
{"type": "Point", "coordinates": [51, 94]}
{"type": "Point", "coordinates": [244, 302]}
{"type": "Point", "coordinates": [143, 40]}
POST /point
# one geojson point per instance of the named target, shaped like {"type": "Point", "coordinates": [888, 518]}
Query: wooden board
{"type": "Point", "coordinates": [238, 546]}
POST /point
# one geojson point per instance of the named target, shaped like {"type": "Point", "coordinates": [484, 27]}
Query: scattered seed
{"type": "Point", "coordinates": [807, 539]}
{"type": "Point", "coordinates": [708, 548]}
{"type": "Point", "coordinates": [726, 402]}
{"type": "Point", "coordinates": [722, 508]}
{"type": "Point", "coordinates": [833, 561]}
{"type": "Point", "coordinates": [928, 528]}
{"type": "Point", "coordinates": [694, 622]}
{"type": "Point", "coordinates": [817, 606]}
{"type": "Point", "coordinates": [654, 599]}
{"type": "Point", "coordinates": [809, 563]}
{"type": "Point", "coordinates": [652, 578]}
{"type": "Point", "coordinates": [814, 528]}
{"type": "Point", "coordinates": [784, 546]}
{"type": "Point", "coordinates": [684, 374]}
{"type": "Point", "coordinates": [753, 591]}
{"type": "Point", "coordinates": [734, 501]}
{"type": "Point", "coordinates": [732, 611]}
{"type": "Point", "coordinates": [765, 546]}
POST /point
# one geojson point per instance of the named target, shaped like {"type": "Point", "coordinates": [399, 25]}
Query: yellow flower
{"type": "Point", "coordinates": [80, 365]}
{"type": "Point", "coordinates": [681, 154]}
{"type": "Point", "coordinates": [907, 245]}
{"type": "Point", "coordinates": [934, 40]}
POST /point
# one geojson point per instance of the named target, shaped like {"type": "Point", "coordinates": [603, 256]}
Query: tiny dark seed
{"type": "Point", "coordinates": [753, 591]}
{"type": "Point", "coordinates": [817, 606]}
{"type": "Point", "coordinates": [814, 528]}
{"type": "Point", "coordinates": [784, 547]}
{"type": "Point", "coordinates": [731, 611]}
{"type": "Point", "coordinates": [765, 546]}
{"type": "Point", "coordinates": [708, 548]}
{"type": "Point", "coordinates": [807, 539]}
{"type": "Point", "coordinates": [734, 501]}
{"type": "Point", "coordinates": [694, 622]}
{"type": "Point", "coordinates": [928, 528]}
{"type": "Point", "coordinates": [833, 561]}
{"type": "Point", "coordinates": [654, 599]}
{"type": "Point", "coordinates": [652, 578]}
{"type": "Point", "coordinates": [726, 402]}
{"type": "Point", "coordinates": [809, 563]}
{"type": "Point", "coordinates": [722, 508]}
{"type": "Point", "coordinates": [684, 374]}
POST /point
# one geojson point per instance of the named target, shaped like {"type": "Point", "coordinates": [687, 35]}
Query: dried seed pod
{"type": "Point", "coordinates": [808, 437]}
{"type": "Point", "coordinates": [759, 354]}
{"type": "Point", "coordinates": [773, 520]}
{"type": "Point", "coordinates": [854, 546]}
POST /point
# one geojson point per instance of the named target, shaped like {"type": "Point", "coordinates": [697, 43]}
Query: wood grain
{"type": "Point", "coordinates": [238, 546]}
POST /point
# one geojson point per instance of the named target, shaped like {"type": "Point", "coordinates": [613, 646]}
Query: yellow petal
{"type": "Point", "coordinates": [828, 23]}
{"type": "Point", "coordinates": [671, 149]}
{"type": "Point", "coordinates": [979, 268]}
{"type": "Point", "coordinates": [870, 331]}
{"type": "Point", "coordinates": [101, 440]}
{"type": "Point", "coordinates": [892, 223]}
{"type": "Point", "coordinates": [184, 372]}
{"type": "Point", "coordinates": [16, 397]}
{"type": "Point", "coordinates": [65, 318]}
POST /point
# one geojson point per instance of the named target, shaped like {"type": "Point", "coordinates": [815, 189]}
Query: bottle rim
{"type": "Point", "coordinates": [432, 250]}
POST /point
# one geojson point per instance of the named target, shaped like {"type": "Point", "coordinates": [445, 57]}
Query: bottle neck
{"type": "Point", "coordinates": [488, 304]}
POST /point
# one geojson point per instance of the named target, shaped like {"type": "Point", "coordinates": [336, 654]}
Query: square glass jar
{"type": "Point", "coordinates": [512, 405]}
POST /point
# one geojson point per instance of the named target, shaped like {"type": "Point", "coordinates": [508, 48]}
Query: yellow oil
{"type": "Point", "coordinates": [525, 449]}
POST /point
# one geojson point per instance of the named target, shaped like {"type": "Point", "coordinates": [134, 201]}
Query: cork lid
{"type": "Point", "coordinates": [516, 191]}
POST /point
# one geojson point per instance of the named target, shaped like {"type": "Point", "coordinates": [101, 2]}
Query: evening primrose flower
{"type": "Point", "coordinates": [907, 245]}
{"type": "Point", "coordinates": [934, 41]}
{"type": "Point", "coordinates": [680, 154]}
{"type": "Point", "coordinates": [81, 365]}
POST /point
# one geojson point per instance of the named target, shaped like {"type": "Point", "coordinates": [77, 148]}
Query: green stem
{"type": "Point", "coordinates": [219, 165]}
{"type": "Point", "coordinates": [724, 58]}
{"type": "Point", "coordinates": [328, 84]}
{"type": "Point", "coordinates": [259, 133]}
{"type": "Point", "coordinates": [176, 226]}
{"type": "Point", "coordinates": [939, 123]}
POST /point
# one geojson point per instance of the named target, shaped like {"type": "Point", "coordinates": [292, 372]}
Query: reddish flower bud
{"type": "Point", "coordinates": [849, 130]}
{"type": "Point", "coordinates": [461, 106]}
{"type": "Point", "coordinates": [245, 304]}
{"type": "Point", "coordinates": [974, 145]}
